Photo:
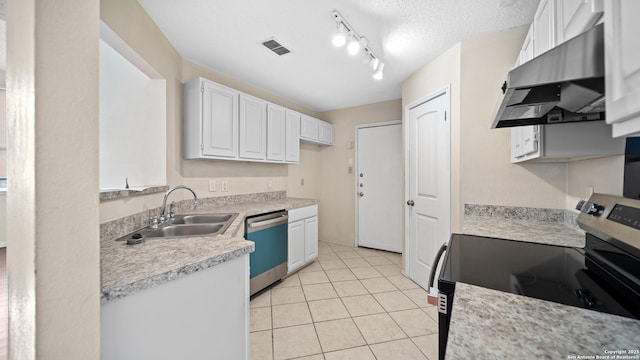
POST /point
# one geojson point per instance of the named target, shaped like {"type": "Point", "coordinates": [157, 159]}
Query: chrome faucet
{"type": "Point", "coordinates": [166, 195]}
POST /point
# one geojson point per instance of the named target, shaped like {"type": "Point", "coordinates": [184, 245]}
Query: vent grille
{"type": "Point", "coordinates": [276, 47]}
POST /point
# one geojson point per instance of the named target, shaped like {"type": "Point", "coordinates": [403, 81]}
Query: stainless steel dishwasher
{"type": "Point", "coordinates": [268, 263]}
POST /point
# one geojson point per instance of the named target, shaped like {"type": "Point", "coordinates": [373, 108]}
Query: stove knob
{"type": "Point", "coordinates": [595, 210]}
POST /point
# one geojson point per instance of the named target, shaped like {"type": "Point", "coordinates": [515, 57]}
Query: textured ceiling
{"type": "Point", "coordinates": [225, 35]}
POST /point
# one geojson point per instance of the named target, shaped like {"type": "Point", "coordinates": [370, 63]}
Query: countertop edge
{"type": "Point", "coordinates": [117, 292]}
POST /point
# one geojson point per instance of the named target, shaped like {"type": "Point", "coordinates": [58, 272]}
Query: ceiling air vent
{"type": "Point", "coordinates": [273, 45]}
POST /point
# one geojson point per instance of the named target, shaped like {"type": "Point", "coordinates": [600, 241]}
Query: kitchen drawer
{"type": "Point", "coordinates": [303, 213]}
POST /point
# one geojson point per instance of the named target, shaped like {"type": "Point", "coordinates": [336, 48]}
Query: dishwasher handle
{"type": "Point", "coordinates": [281, 219]}
{"type": "Point", "coordinates": [432, 297]}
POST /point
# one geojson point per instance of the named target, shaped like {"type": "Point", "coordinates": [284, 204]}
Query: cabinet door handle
{"type": "Point", "coordinates": [361, 194]}
{"type": "Point", "coordinates": [410, 203]}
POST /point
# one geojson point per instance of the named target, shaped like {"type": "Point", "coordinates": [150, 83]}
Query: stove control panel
{"type": "Point", "coordinates": [590, 208]}
{"type": "Point", "coordinates": [625, 215]}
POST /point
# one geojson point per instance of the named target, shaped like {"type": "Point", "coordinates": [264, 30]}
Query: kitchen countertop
{"type": "Point", "coordinates": [524, 230]}
{"type": "Point", "coordinates": [490, 324]}
{"type": "Point", "coordinates": [128, 269]}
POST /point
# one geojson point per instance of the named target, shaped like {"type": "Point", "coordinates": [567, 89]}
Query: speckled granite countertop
{"type": "Point", "coordinates": [126, 270]}
{"type": "Point", "coordinates": [523, 230]}
{"type": "Point", "coordinates": [490, 324]}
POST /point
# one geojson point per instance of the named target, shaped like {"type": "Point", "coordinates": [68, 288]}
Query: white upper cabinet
{"type": "Point", "coordinates": [576, 17]}
{"type": "Point", "coordinates": [544, 27]}
{"type": "Point", "coordinates": [556, 21]}
{"type": "Point", "coordinates": [315, 131]}
{"type": "Point", "coordinates": [276, 132]}
{"type": "Point", "coordinates": [253, 127]}
{"type": "Point", "coordinates": [226, 124]}
{"type": "Point", "coordinates": [325, 133]}
{"type": "Point", "coordinates": [309, 128]}
{"type": "Point", "coordinates": [210, 120]}
{"type": "Point", "coordinates": [292, 147]}
{"type": "Point", "coordinates": [622, 66]}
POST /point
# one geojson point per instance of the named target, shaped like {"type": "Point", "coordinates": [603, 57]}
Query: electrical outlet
{"type": "Point", "coordinates": [349, 169]}
{"type": "Point", "coordinates": [212, 186]}
{"type": "Point", "coordinates": [224, 186]}
{"type": "Point", "coordinates": [269, 183]}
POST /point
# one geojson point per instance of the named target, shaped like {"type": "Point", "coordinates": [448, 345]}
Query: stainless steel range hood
{"type": "Point", "coordinates": [562, 85]}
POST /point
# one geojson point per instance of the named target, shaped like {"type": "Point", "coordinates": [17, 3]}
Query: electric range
{"type": "Point", "coordinates": [603, 276]}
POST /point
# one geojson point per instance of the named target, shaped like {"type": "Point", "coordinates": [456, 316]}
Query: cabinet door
{"type": "Point", "coordinates": [529, 139]}
{"type": "Point", "coordinates": [276, 132]}
{"type": "Point", "coordinates": [525, 143]}
{"type": "Point", "coordinates": [311, 238]}
{"type": "Point", "coordinates": [309, 128]}
{"type": "Point", "coordinates": [293, 137]}
{"type": "Point", "coordinates": [219, 120]}
{"type": "Point", "coordinates": [253, 128]}
{"type": "Point", "coordinates": [576, 17]}
{"type": "Point", "coordinates": [622, 66]}
{"type": "Point", "coordinates": [544, 29]}
{"type": "Point", "coordinates": [296, 253]}
{"type": "Point", "coordinates": [325, 132]}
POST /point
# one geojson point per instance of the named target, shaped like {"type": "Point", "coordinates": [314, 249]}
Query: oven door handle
{"type": "Point", "coordinates": [432, 297]}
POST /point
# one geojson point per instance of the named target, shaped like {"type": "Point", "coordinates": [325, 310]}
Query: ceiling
{"type": "Point", "coordinates": [226, 36]}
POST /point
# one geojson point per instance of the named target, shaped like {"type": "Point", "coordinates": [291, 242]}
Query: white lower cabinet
{"type": "Point", "coordinates": [303, 237]}
{"type": "Point", "coordinates": [202, 315]}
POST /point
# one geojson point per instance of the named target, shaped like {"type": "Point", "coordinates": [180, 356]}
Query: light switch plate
{"type": "Point", "coordinates": [212, 186]}
{"type": "Point", "coordinates": [224, 186]}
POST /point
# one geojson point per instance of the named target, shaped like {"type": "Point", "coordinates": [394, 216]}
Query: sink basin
{"type": "Point", "coordinates": [185, 230]}
{"type": "Point", "coordinates": [202, 218]}
{"type": "Point", "coordinates": [183, 226]}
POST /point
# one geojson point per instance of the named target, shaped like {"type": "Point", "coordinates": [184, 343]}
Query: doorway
{"type": "Point", "coordinates": [428, 187]}
{"type": "Point", "coordinates": [379, 186]}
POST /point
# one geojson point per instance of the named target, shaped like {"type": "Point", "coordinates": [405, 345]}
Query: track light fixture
{"type": "Point", "coordinates": [356, 43]}
{"type": "Point", "coordinates": [340, 38]}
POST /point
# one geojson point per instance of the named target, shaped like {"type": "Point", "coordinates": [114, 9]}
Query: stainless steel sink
{"type": "Point", "coordinates": [185, 230]}
{"type": "Point", "coordinates": [183, 226]}
{"type": "Point", "coordinates": [202, 218]}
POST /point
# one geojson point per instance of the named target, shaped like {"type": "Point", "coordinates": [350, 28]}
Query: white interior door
{"type": "Point", "coordinates": [379, 186]}
{"type": "Point", "coordinates": [428, 184]}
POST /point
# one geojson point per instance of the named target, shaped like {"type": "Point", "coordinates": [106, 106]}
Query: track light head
{"type": "Point", "coordinates": [374, 62]}
{"type": "Point", "coordinates": [378, 74]}
{"type": "Point", "coordinates": [354, 46]}
{"type": "Point", "coordinates": [340, 38]}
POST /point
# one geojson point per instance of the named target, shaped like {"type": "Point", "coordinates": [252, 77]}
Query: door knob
{"type": "Point", "coordinates": [410, 203]}
{"type": "Point", "coordinates": [361, 194]}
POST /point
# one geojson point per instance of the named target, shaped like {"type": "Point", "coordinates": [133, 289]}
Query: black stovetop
{"type": "Point", "coordinates": [560, 274]}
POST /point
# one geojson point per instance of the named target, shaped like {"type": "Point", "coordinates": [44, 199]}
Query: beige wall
{"type": "Point", "coordinates": [303, 178]}
{"type": "Point", "coordinates": [337, 189]}
{"type": "Point", "coordinates": [53, 260]}
{"type": "Point", "coordinates": [487, 174]}
{"type": "Point", "coordinates": [605, 175]}
{"type": "Point", "coordinates": [443, 71]}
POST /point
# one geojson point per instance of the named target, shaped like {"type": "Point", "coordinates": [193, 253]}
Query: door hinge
{"type": "Point", "coordinates": [202, 88]}
{"type": "Point", "coordinates": [445, 116]}
{"type": "Point", "coordinates": [201, 146]}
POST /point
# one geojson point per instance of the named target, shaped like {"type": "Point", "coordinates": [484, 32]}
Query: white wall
{"type": "Point", "coordinates": [132, 124]}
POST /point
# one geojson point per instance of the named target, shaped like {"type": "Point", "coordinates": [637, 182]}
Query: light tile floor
{"type": "Point", "coordinates": [352, 303]}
